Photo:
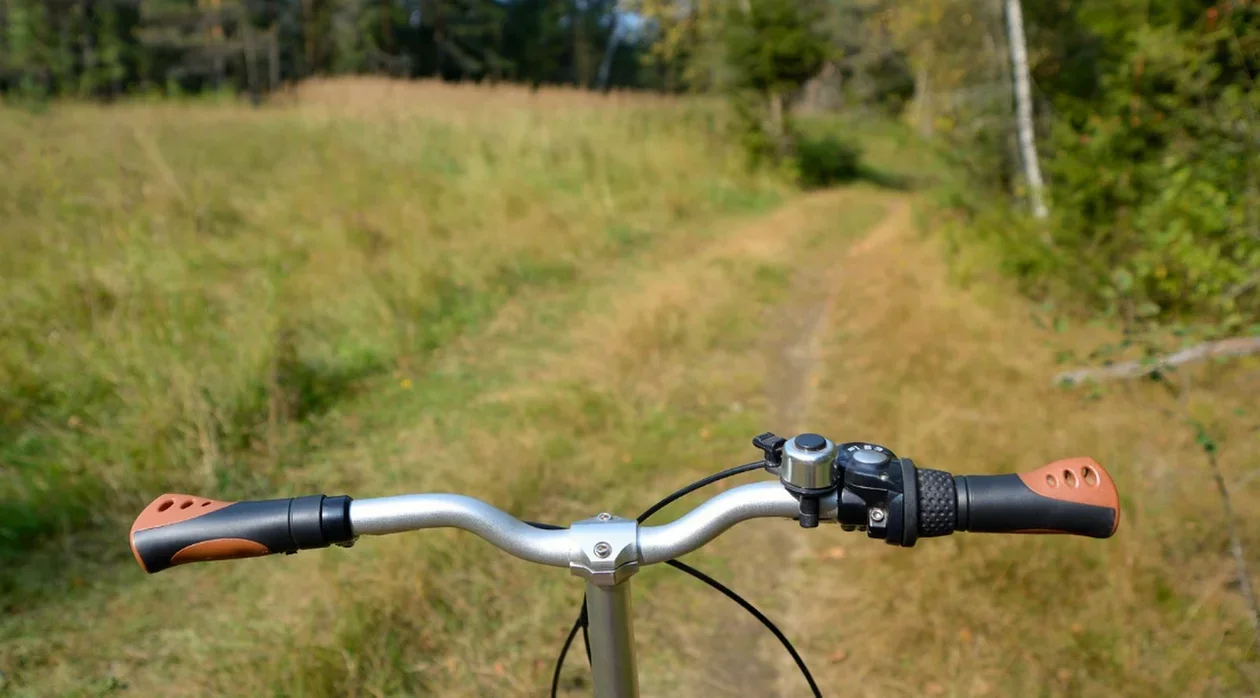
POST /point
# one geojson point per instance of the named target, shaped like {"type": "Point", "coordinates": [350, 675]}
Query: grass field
{"type": "Point", "coordinates": [560, 303]}
{"type": "Point", "coordinates": [191, 292]}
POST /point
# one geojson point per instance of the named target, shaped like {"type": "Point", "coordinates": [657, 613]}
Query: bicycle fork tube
{"type": "Point", "coordinates": [611, 629]}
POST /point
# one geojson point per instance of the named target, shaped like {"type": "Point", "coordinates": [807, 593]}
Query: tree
{"type": "Point", "coordinates": [110, 48]}
{"type": "Point", "coordinates": [687, 42]}
{"type": "Point", "coordinates": [193, 42]}
{"type": "Point", "coordinates": [27, 59]}
{"type": "Point", "coordinates": [610, 52]}
{"type": "Point", "coordinates": [534, 40]}
{"type": "Point", "coordinates": [772, 47]}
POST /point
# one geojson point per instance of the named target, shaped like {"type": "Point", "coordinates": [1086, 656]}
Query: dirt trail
{"type": "Point", "coordinates": [748, 661]}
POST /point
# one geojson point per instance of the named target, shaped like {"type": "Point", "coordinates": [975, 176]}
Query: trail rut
{"type": "Point", "coordinates": [745, 659]}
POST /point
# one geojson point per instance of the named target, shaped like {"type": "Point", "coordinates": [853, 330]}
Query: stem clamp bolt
{"type": "Point", "coordinates": [602, 549]}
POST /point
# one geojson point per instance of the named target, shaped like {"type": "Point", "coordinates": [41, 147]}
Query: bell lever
{"type": "Point", "coordinates": [772, 446]}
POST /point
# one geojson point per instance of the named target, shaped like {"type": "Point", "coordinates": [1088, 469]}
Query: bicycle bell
{"type": "Point", "coordinates": [807, 469]}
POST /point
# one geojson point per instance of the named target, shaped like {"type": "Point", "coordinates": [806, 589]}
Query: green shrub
{"type": "Point", "coordinates": [1155, 196]}
{"type": "Point", "coordinates": [823, 159]}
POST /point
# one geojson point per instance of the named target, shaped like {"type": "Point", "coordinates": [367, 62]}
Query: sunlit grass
{"type": "Point", "coordinates": [191, 291]}
{"type": "Point", "coordinates": [312, 298]}
{"type": "Point", "coordinates": [962, 381]}
{"type": "Point", "coordinates": [561, 303]}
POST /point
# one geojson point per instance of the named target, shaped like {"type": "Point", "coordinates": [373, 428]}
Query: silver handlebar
{"type": "Point", "coordinates": [655, 544]}
{"type": "Point", "coordinates": [715, 516]}
{"type": "Point", "coordinates": [412, 512]}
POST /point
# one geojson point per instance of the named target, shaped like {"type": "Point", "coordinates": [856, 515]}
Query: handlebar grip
{"type": "Point", "coordinates": [177, 529]}
{"type": "Point", "coordinates": [1074, 496]}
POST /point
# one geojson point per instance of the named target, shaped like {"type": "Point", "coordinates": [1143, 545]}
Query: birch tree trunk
{"type": "Point", "coordinates": [610, 51]}
{"type": "Point", "coordinates": [1023, 106]}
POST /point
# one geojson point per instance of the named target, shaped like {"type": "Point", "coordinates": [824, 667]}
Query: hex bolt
{"type": "Point", "coordinates": [877, 515]}
{"type": "Point", "coordinates": [602, 549]}
{"type": "Point", "coordinates": [604, 517]}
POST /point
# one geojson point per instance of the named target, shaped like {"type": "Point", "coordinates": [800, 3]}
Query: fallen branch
{"type": "Point", "coordinates": [1245, 586]}
{"type": "Point", "coordinates": [1236, 346]}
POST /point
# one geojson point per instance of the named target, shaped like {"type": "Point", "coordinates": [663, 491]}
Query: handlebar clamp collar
{"type": "Point", "coordinates": [604, 550]}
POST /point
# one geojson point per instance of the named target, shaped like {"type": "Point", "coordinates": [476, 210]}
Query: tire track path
{"type": "Point", "coordinates": [767, 560]}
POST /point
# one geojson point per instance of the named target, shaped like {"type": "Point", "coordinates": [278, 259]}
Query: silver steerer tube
{"type": "Point", "coordinates": [385, 515]}
{"type": "Point", "coordinates": [611, 622]}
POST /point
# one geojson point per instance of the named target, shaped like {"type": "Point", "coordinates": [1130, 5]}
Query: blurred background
{"type": "Point", "coordinates": [570, 255]}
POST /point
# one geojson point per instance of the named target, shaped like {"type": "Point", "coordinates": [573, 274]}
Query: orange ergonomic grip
{"type": "Point", "coordinates": [1079, 481]}
{"type": "Point", "coordinates": [167, 510]}
{"type": "Point", "coordinates": [1074, 496]}
{"type": "Point", "coordinates": [176, 529]}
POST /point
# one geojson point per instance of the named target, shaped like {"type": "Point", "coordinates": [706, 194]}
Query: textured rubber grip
{"type": "Point", "coordinates": [177, 529]}
{"type": "Point", "coordinates": [1075, 496]}
{"type": "Point", "coordinates": [938, 503]}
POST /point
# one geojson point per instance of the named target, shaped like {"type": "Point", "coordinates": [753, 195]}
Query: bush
{"type": "Point", "coordinates": [825, 159]}
{"type": "Point", "coordinates": [1154, 196]}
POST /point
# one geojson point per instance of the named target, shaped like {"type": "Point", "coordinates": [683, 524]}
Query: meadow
{"type": "Point", "coordinates": [561, 303]}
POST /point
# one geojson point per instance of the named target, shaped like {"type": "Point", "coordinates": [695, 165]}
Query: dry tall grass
{"type": "Point", "coordinates": [603, 393]}
{"type": "Point", "coordinates": [365, 95]}
{"type": "Point", "coordinates": [553, 301]}
{"type": "Point", "coordinates": [191, 291]}
{"type": "Point", "coordinates": [960, 380]}
{"type": "Point", "coordinates": [245, 303]}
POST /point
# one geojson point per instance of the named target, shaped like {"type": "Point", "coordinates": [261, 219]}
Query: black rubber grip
{"type": "Point", "coordinates": [938, 503]}
{"type": "Point", "coordinates": [1074, 496]}
{"type": "Point", "coordinates": [1007, 504]}
{"type": "Point", "coordinates": [178, 529]}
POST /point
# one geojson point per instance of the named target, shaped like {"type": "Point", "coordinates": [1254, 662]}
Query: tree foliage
{"type": "Point", "coordinates": [105, 47]}
{"type": "Point", "coordinates": [1151, 127]}
{"type": "Point", "coordinates": [774, 46]}
{"type": "Point", "coordinates": [1157, 173]}
{"type": "Point", "coordinates": [771, 49]}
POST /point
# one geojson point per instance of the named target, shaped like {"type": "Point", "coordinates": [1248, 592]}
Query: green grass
{"type": "Point", "coordinates": [192, 292]}
{"type": "Point", "coordinates": [962, 382]}
{"type": "Point", "coordinates": [306, 298]}
{"type": "Point", "coordinates": [560, 303]}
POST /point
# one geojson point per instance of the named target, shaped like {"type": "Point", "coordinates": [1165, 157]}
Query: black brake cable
{"type": "Point", "coordinates": [580, 621]}
{"type": "Point", "coordinates": [729, 472]}
{"type": "Point", "coordinates": [564, 649]}
{"type": "Point", "coordinates": [752, 610]}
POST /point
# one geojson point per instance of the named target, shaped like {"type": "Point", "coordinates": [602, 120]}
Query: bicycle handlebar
{"type": "Point", "coordinates": [168, 533]}
{"type": "Point", "coordinates": [1075, 496]}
